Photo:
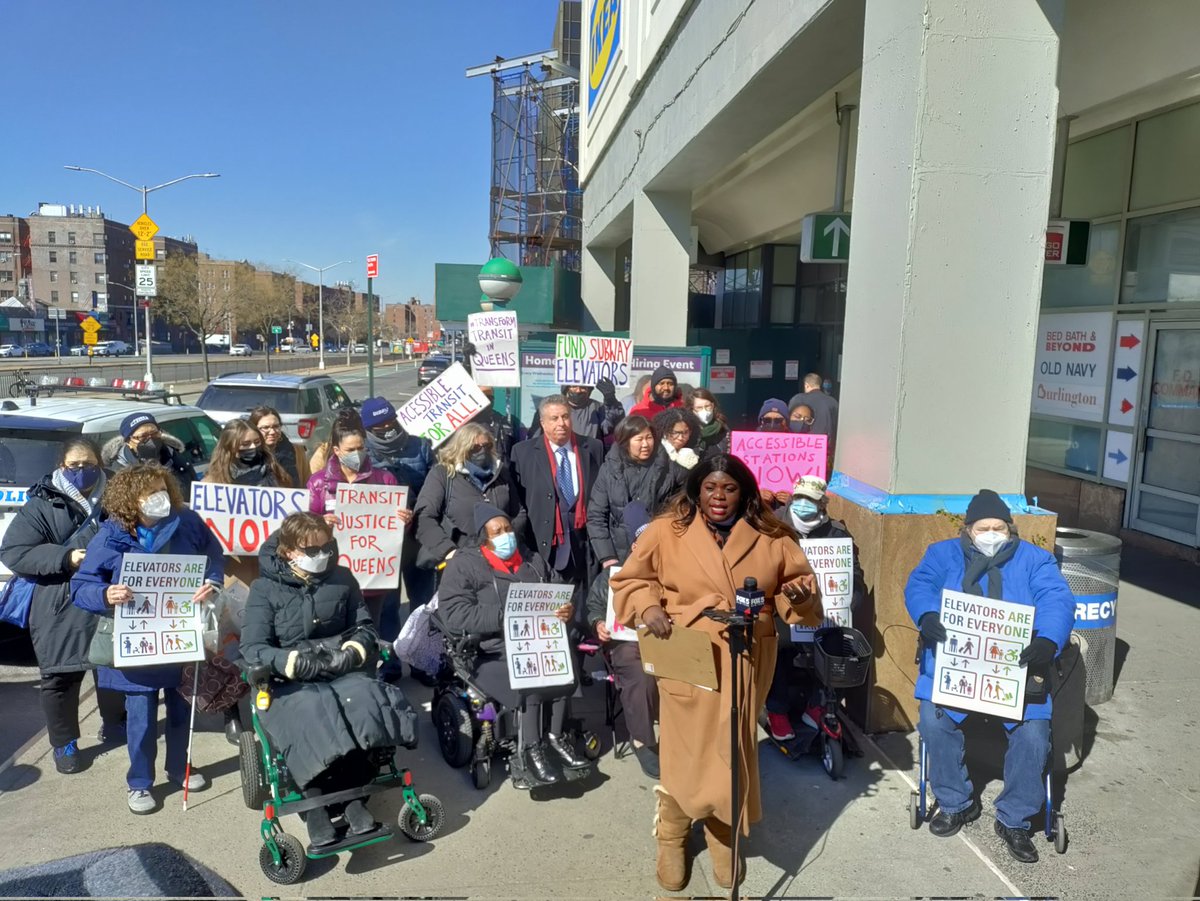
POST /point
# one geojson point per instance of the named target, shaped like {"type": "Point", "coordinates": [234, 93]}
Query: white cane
{"type": "Point", "coordinates": [187, 772]}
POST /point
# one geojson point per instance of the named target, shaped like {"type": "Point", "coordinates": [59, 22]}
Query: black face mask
{"type": "Point", "coordinates": [391, 433]}
{"type": "Point", "coordinates": [250, 456]}
{"type": "Point", "coordinates": [481, 458]}
{"type": "Point", "coordinates": [578, 399]}
{"type": "Point", "coordinates": [149, 450]}
{"type": "Point", "coordinates": [796, 425]}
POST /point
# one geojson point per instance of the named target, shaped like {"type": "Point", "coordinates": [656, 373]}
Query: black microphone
{"type": "Point", "coordinates": [749, 600]}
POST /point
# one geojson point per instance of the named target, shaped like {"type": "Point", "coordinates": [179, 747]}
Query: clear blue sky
{"type": "Point", "coordinates": [338, 129]}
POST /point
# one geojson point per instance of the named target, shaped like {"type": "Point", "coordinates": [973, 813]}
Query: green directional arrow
{"type": "Point", "coordinates": [825, 238]}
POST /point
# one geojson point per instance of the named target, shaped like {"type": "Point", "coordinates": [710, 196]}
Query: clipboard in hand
{"type": "Point", "coordinates": [685, 655]}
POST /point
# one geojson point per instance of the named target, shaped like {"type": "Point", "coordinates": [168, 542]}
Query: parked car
{"type": "Point", "coordinates": [307, 403]}
{"type": "Point", "coordinates": [431, 368]}
{"type": "Point", "coordinates": [240, 350]}
{"type": "Point", "coordinates": [111, 349]}
{"type": "Point", "coordinates": [156, 347]}
{"type": "Point", "coordinates": [360, 348]}
{"type": "Point", "coordinates": [11, 350]}
{"type": "Point", "coordinates": [38, 349]}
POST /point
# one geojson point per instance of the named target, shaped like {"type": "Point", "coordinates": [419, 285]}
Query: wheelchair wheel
{"type": "Point", "coordinates": [1060, 834]}
{"type": "Point", "coordinates": [255, 790]}
{"type": "Point", "coordinates": [481, 773]}
{"type": "Point", "coordinates": [455, 730]}
{"type": "Point", "coordinates": [914, 811]}
{"type": "Point", "coordinates": [435, 817]}
{"type": "Point", "coordinates": [292, 860]}
{"type": "Point", "coordinates": [832, 757]}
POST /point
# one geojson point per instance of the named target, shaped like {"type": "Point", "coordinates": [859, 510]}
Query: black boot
{"type": "Point", "coordinates": [538, 766]}
{"type": "Point", "coordinates": [566, 753]}
{"type": "Point", "coordinates": [358, 818]}
{"type": "Point", "coordinates": [233, 724]}
{"type": "Point", "coordinates": [945, 824]}
{"type": "Point", "coordinates": [1020, 846]}
{"type": "Point", "coordinates": [320, 827]}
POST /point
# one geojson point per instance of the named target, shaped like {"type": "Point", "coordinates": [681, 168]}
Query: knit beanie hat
{"type": "Point", "coordinates": [134, 421]}
{"type": "Point", "coordinates": [485, 513]}
{"type": "Point", "coordinates": [662, 372]}
{"type": "Point", "coordinates": [773, 405]}
{"type": "Point", "coordinates": [376, 411]}
{"type": "Point", "coordinates": [987, 504]}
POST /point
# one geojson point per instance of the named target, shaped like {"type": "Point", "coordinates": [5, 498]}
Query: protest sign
{"type": "Point", "coordinates": [583, 360]}
{"type": "Point", "coordinates": [778, 459]}
{"type": "Point", "coordinates": [832, 562]}
{"type": "Point", "coordinates": [437, 410]}
{"type": "Point", "coordinates": [369, 533]}
{"type": "Point", "coordinates": [243, 517]}
{"type": "Point", "coordinates": [975, 668]}
{"type": "Point", "coordinates": [161, 624]}
{"type": "Point", "coordinates": [495, 338]}
{"type": "Point", "coordinates": [619, 631]}
{"type": "Point", "coordinates": [535, 640]}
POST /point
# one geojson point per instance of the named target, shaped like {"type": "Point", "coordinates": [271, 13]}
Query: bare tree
{"type": "Point", "coordinates": [192, 297]}
{"type": "Point", "coordinates": [349, 323]}
{"type": "Point", "coordinates": [262, 299]}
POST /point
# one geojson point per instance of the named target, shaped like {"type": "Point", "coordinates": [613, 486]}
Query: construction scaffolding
{"type": "Point", "coordinates": [536, 202]}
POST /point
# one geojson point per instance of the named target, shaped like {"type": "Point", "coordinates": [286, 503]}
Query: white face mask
{"type": "Point", "coordinates": [989, 542]}
{"type": "Point", "coordinates": [705, 416]}
{"type": "Point", "coordinates": [317, 564]}
{"type": "Point", "coordinates": [156, 506]}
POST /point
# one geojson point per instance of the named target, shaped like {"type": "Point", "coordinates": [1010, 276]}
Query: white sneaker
{"type": "Point", "coordinates": [141, 801]}
{"type": "Point", "coordinates": [195, 782]}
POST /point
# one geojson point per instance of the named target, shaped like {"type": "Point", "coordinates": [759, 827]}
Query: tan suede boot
{"type": "Point", "coordinates": [671, 828]}
{"type": "Point", "coordinates": [719, 837]}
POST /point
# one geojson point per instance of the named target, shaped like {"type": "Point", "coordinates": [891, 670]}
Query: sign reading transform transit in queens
{"type": "Point", "coordinates": [437, 410]}
{"type": "Point", "coordinates": [1071, 367]}
{"type": "Point", "coordinates": [604, 40]}
{"type": "Point", "coordinates": [494, 361]}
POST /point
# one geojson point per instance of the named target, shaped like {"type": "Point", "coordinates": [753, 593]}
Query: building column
{"type": "Point", "coordinates": [658, 300]}
{"type": "Point", "coordinates": [955, 148]}
{"type": "Point", "coordinates": [599, 284]}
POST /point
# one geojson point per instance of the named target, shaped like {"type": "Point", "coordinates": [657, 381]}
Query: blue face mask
{"type": "Point", "coordinates": [805, 509]}
{"type": "Point", "coordinates": [84, 479]}
{"type": "Point", "coordinates": [504, 545]}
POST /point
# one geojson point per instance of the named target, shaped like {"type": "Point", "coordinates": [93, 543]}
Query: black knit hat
{"type": "Point", "coordinates": [662, 372]}
{"type": "Point", "coordinates": [987, 504]}
{"type": "Point", "coordinates": [485, 513]}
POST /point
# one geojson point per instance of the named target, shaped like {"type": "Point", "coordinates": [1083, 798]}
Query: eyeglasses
{"type": "Point", "coordinates": [270, 428]}
{"type": "Point", "coordinates": [676, 433]}
{"type": "Point", "coordinates": [703, 408]}
{"type": "Point", "coordinates": [487, 446]}
{"type": "Point", "coordinates": [805, 419]}
{"type": "Point", "coordinates": [76, 466]}
{"type": "Point", "coordinates": [147, 436]}
{"type": "Point", "coordinates": [772, 420]}
{"type": "Point", "coordinates": [314, 549]}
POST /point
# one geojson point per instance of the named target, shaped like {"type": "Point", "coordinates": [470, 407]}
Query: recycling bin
{"type": "Point", "coordinates": [1091, 563]}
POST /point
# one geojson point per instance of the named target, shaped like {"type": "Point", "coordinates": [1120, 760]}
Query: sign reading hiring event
{"type": "Point", "coordinates": [437, 410]}
{"type": "Point", "coordinates": [604, 41]}
{"type": "Point", "coordinates": [975, 668]}
{"type": "Point", "coordinates": [494, 335]}
{"type": "Point", "coordinates": [243, 516]}
{"type": "Point", "coordinates": [778, 459]}
{"type": "Point", "coordinates": [162, 624]}
{"type": "Point", "coordinates": [535, 639]}
{"type": "Point", "coordinates": [582, 360]}
{"type": "Point", "coordinates": [369, 533]}
{"type": "Point", "coordinates": [1071, 367]}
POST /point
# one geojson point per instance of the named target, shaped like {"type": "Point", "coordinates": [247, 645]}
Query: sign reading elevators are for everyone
{"type": "Point", "coordinates": [535, 639]}
{"type": "Point", "coordinates": [162, 624]}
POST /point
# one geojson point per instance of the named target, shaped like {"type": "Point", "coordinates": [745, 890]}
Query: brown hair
{"type": "Point", "coordinates": [686, 504]}
{"type": "Point", "coordinates": [260, 413]}
{"type": "Point", "coordinates": [226, 452]}
{"type": "Point", "coordinates": [130, 485]}
{"type": "Point", "coordinates": [705, 394]}
{"type": "Point", "coordinates": [297, 526]}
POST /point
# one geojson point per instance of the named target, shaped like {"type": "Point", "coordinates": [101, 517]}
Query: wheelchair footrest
{"type": "Point", "coordinates": [341, 797]}
{"type": "Point", "coordinates": [347, 840]}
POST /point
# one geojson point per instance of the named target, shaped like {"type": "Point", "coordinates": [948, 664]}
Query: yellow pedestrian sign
{"type": "Point", "coordinates": [90, 325]}
{"type": "Point", "coordinates": [143, 250]}
{"type": "Point", "coordinates": [144, 228]}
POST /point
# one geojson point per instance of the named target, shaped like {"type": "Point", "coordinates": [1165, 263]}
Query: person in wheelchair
{"type": "Point", "coordinates": [329, 717]}
{"type": "Point", "coordinates": [639, 691]}
{"type": "Point", "coordinates": [471, 601]}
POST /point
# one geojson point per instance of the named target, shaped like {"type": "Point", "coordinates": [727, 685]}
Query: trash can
{"type": "Point", "coordinates": [1091, 563]}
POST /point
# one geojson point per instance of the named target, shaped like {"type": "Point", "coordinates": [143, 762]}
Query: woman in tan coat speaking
{"type": "Point", "coordinates": [693, 557]}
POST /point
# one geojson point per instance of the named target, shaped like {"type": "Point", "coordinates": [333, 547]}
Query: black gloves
{"type": "Point", "coordinates": [1038, 652]}
{"type": "Point", "coordinates": [468, 350]}
{"type": "Point", "coordinates": [607, 389]}
{"type": "Point", "coordinates": [305, 666]}
{"type": "Point", "coordinates": [342, 661]}
{"type": "Point", "coordinates": [932, 630]}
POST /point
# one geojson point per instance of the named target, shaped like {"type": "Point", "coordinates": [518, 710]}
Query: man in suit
{"type": "Point", "coordinates": [554, 473]}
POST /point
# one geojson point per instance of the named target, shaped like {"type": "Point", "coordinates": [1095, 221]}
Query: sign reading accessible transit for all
{"type": "Point", "coordinates": [161, 624]}
{"type": "Point", "coordinates": [535, 639]}
{"type": "Point", "coordinates": [778, 459]}
{"type": "Point", "coordinates": [437, 410]}
{"type": "Point", "coordinates": [242, 516]}
{"type": "Point", "coordinates": [369, 534]}
{"type": "Point", "coordinates": [975, 668]}
{"type": "Point", "coordinates": [1071, 365]}
{"type": "Point", "coordinates": [495, 360]}
{"type": "Point", "coordinates": [832, 562]}
{"type": "Point", "coordinates": [585, 360]}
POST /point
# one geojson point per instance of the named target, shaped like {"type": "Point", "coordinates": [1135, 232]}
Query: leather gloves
{"type": "Point", "coordinates": [1038, 652]}
{"type": "Point", "coordinates": [343, 661]}
{"type": "Point", "coordinates": [607, 389]}
{"type": "Point", "coordinates": [304, 666]}
{"type": "Point", "coordinates": [932, 630]}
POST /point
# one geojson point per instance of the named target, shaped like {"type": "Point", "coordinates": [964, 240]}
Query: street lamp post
{"type": "Point", "coordinates": [144, 190]}
{"type": "Point", "coordinates": [320, 270]}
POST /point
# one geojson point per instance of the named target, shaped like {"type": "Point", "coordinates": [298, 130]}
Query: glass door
{"type": "Point", "coordinates": [1166, 500]}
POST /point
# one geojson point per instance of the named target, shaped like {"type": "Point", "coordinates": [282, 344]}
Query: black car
{"type": "Point", "coordinates": [431, 368]}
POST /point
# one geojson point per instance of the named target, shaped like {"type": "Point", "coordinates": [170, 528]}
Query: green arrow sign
{"type": "Point", "coordinates": [277, 330]}
{"type": "Point", "coordinates": [825, 238]}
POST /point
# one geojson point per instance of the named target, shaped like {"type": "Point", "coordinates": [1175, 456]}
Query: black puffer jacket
{"type": "Point", "coordinates": [445, 511]}
{"type": "Point", "coordinates": [471, 595]}
{"type": "Point", "coordinates": [116, 455]}
{"type": "Point", "coordinates": [38, 546]}
{"type": "Point", "coordinates": [620, 481]}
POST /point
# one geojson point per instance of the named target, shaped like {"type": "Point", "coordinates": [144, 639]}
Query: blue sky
{"type": "Point", "coordinates": [339, 129]}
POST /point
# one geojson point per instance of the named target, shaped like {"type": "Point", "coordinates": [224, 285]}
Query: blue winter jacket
{"type": "Point", "coordinates": [1031, 577]}
{"type": "Point", "coordinates": [183, 533]}
{"type": "Point", "coordinates": [410, 464]}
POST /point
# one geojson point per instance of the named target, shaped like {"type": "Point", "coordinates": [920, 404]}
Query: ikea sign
{"type": "Point", "coordinates": [604, 39]}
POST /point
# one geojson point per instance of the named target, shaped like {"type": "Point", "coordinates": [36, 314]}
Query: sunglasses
{"type": "Point", "coordinates": [314, 549]}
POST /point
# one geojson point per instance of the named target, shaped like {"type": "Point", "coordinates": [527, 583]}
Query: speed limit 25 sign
{"type": "Point", "coordinates": [147, 281]}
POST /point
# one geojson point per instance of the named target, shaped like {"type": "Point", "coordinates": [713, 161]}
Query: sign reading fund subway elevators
{"type": "Point", "coordinates": [1071, 367]}
{"type": "Point", "coordinates": [975, 668]}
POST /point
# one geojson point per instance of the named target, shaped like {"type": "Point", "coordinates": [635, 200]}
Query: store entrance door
{"type": "Point", "coordinates": [1166, 500]}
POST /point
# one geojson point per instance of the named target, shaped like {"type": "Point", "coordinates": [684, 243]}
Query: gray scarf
{"type": "Point", "coordinates": [59, 481]}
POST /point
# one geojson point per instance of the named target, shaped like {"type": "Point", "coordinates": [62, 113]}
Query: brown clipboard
{"type": "Point", "coordinates": [685, 655]}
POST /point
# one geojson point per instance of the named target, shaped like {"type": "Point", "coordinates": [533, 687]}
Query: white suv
{"type": "Point", "coordinates": [111, 349]}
